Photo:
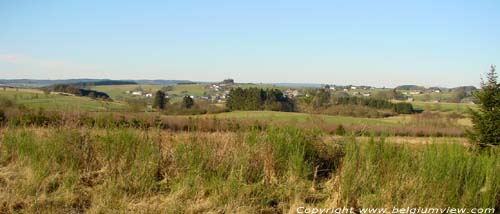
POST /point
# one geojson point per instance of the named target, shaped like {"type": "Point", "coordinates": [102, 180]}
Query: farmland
{"type": "Point", "coordinates": [35, 99]}
{"type": "Point", "coordinates": [258, 107]}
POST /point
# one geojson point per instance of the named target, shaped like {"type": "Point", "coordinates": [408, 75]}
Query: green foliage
{"type": "Point", "coordinates": [379, 173]}
{"type": "Point", "coordinates": [340, 130]}
{"type": "Point", "coordinates": [76, 90]}
{"type": "Point", "coordinates": [187, 102]}
{"type": "Point", "coordinates": [321, 98]}
{"type": "Point", "coordinates": [486, 120]}
{"type": "Point", "coordinates": [458, 95]}
{"type": "Point", "coordinates": [228, 81]}
{"type": "Point", "coordinates": [136, 104]}
{"type": "Point", "coordinates": [66, 167]}
{"type": "Point", "coordinates": [3, 117]}
{"type": "Point", "coordinates": [159, 101]}
{"type": "Point", "coordinates": [167, 88]}
{"type": "Point", "coordinates": [258, 99]}
{"type": "Point", "coordinates": [403, 108]}
{"type": "Point", "coordinates": [370, 102]}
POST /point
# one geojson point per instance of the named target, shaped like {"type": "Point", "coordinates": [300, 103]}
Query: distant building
{"type": "Point", "coordinates": [291, 93]}
{"type": "Point", "coordinates": [139, 93]}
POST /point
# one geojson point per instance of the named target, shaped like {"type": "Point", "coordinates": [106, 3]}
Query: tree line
{"type": "Point", "coordinates": [399, 107]}
{"type": "Point", "coordinates": [258, 99]}
{"type": "Point", "coordinates": [75, 90]}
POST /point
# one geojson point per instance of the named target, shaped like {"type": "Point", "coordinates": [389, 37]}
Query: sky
{"type": "Point", "coordinates": [378, 43]}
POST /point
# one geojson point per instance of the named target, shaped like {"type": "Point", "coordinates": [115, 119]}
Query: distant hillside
{"type": "Point", "coordinates": [78, 91]}
{"type": "Point", "coordinates": [106, 82]}
{"type": "Point", "coordinates": [35, 83]}
{"type": "Point", "coordinates": [465, 88]}
{"type": "Point", "coordinates": [163, 82]}
{"type": "Point", "coordinates": [409, 87]}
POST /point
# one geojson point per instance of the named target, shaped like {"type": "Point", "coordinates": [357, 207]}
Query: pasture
{"type": "Point", "coordinates": [34, 99]}
{"type": "Point", "coordinates": [118, 91]}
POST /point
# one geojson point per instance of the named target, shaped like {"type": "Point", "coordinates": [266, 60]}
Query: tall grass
{"type": "Point", "coordinates": [116, 170]}
{"type": "Point", "coordinates": [378, 174]}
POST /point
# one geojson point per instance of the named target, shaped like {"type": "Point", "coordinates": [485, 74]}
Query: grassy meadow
{"type": "Point", "coordinates": [34, 99]}
{"type": "Point", "coordinates": [178, 91]}
{"type": "Point", "coordinates": [76, 156]}
{"type": "Point", "coordinates": [93, 170]}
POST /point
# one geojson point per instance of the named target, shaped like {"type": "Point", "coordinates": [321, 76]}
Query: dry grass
{"type": "Point", "coordinates": [110, 170]}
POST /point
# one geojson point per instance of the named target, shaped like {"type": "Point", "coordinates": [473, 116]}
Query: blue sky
{"type": "Point", "coordinates": [380, 43]}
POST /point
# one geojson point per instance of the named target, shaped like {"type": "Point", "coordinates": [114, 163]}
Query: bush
{"type": "Point", "coordinates": [340, 130]}
{"type": "Point", "coordinates": [3, 118]}
{"type": "Point", "coordinates": [403, 108]}
{"type": "Point", "coordinates": [187, 102]}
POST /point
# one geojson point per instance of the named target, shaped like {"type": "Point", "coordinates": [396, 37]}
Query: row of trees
{"type": "Point", "coordinates": [258, 99]}
{"type": "Point", "coordinates": [160, 101]}
{"type": "Point", "coordinates": [322, 98]}
{"type": "Point", "coordinates": [76, 90]}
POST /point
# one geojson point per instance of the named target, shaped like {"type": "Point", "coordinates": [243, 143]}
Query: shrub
{"type": "Point", "coordinates": [403, 108]}
{"type": "Point", "coordinates": [486, 129]}
{"type": "Point", "coordinates": [3, 118]}
{"type": "Point", "coordinates": [187, 102]}
{"type": "Point", "coordinates": [160, 101]}
{"type": "Point", "coordinates": [340, 130]}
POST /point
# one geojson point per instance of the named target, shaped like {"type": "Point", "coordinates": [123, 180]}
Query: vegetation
{"type": "Point", "coordinates": [34, 99]}
{"type": "Point", "coordinates": [228, 81]}
{"type": "Point", "coordinates": [75, 90]}
{"type": "Point", "coordinates": [105, 82]}
{"type": "Point", "coordinates": [160, 100]}
{"type": "Point", "coordinates": [187, 102]}
{"type": "Point", "coordinates": [378, 173]}
{"type": "Point", "coordinates": [258, 99]}
{"type": "Point", "coordinates": [486, 129]}
{"type": "Point", "coordinates": [322, 101]}
{"type": "Point", "coordinates": [240, 161]}
{"type": "Point", "coordinates": [65, 169]}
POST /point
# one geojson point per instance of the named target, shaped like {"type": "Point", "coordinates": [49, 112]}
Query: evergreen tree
{"type": "Point", "coordinates": [486, 120]}
{"type": "Point", "coordinates": [187, 102]}
{"type": "Point", "coordinates": [160, 101]}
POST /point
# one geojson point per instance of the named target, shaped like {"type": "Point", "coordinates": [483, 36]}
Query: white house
{"type": "Point", "coordinates": [137, 93]}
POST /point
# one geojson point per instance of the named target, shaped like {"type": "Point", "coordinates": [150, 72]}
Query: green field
{"type": "Point", "coordinates": [461, 108]}
{"type": "Point", "coordinates": [294, 117]}
{"type": "Point", "coordinates": [118, 91]}
{"type": "Point", "coordinates": [33, 98]}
